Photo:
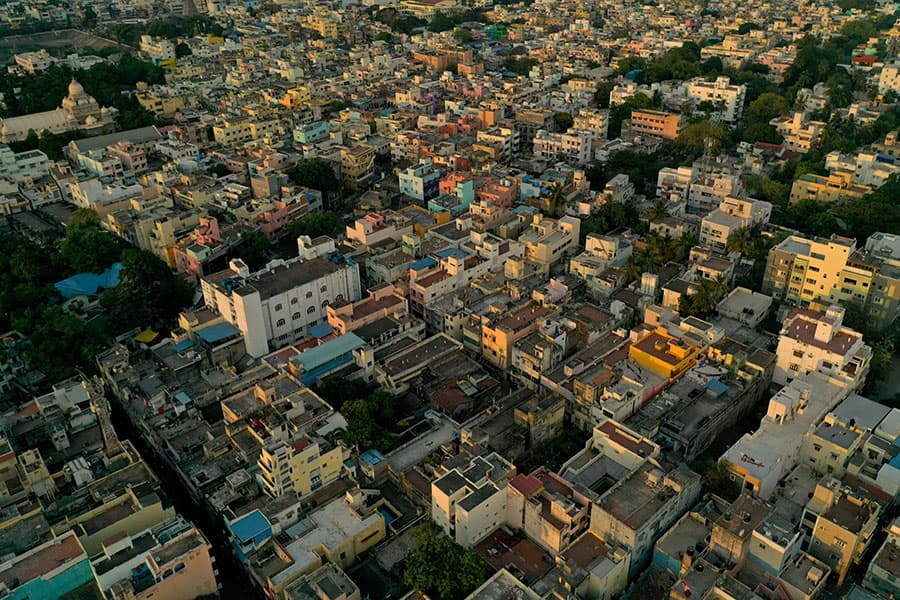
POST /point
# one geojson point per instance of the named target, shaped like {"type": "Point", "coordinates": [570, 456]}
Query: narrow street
{"type": "Point", "coordinates": [233, 580]}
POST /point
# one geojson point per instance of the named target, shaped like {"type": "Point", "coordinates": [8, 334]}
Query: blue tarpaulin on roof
{"type": "Point", "coordinates": [424, 263]}
{"type": "Point", "coordinates": [87, 284]}
{"type": "Point", "coordinates": [182, 346]}
{"type": "Point", "coordinates": [218, 332]}
{"type": "Point", "coordinates": [249, 526]}
{"type": "Point", "coordinates": [321, 330]}
{"type": "Point", "coordinates": [716, 386]}
{"type": "Point", "coordinates": [183, 398]}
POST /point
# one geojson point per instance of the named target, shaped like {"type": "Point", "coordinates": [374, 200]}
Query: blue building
{"type": "Point", "coordinates": [249, 533]}
{"type": "Point", "coordinates": [315, 363]}
{"type": "Point", "coordinates": [51, 570]}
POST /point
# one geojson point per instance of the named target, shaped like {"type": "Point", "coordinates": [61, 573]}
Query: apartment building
{"type": "Point", "coordinates": [420, 181]}
{"type": "Point", "coordinates": [499, 334]}
{"type": "Point", "coordinates": [22, 166]}
{"type": "Point", "coordinates": [233, 132]}
{"type": "Point", "coordinates": [469, 502]}
{"type": "Point", "coordinates": [883, 573]}
{"type": "Point", "coordinates": [593, 123]}
{"type": "Point", "coordinates": [572, 147]}
{"type": "Point", "coordinates": [733, 213]}
{"type": "Point", "coordinates": [276, 306]}
{"type": "Point", "coordinates": [53, 569]}
{"type": "Point", "coordinates": [301, 466]}
{"type": "Point", "coordinates": [656, 123]}
{"type": "Point", "coordinates": [548, 240]}
{"type": "Point", "coordinates": [357, 165]}
{"type": "Point", "coordinates": [170, 561]}
{"type": "Point", "coordinates": [547, 508]}
{"type": "Point", "coordinates": [800, 134]}
{"type": "Point", "coordinates": [818, 341]}
{"type": "Point", "coordinates": [803, 270]}
{"type": "Point", "coordinates": [836, 187]}
{"type": "Point", "coordinates": [664, 354]}
{"type": "Point", "coordinates": [638, 509]}
{"type": "Point", "coordinates": [673, 184]}
{"type": "Point", "coordinates": [158, 49]}
{"type": "Point", "coordinates": [867, 168]}
{"type": "Point", "coordinates": [375, 228]}
{"type": "Point", "coordinates": [846, 521]}
{"type": "Point", "coordinates": [758, 461]}
{"type": "Point", "coordinates": [727, 98]}
{"type": "Point", "coordinates": [503, 140]}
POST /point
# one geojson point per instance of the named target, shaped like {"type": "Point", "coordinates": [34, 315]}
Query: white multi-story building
{"type": "Point", "coordinates": [593, 123]}
{"type": "Point", "coordinates": [157, 49]}
{"type": "Point", "coordinates": [420, 181]}
{"type": "Point", "coordinates": [727, 97]}
{"type": "Point", "coordinates": [572, 147]}
{"type": "Point", "coordinates": [276, 306]}
{"type": "Point", "coordinates": [469, 502]}
{"type": "Point", "coordinates": [889, 78]}
{"type": "Point", "coordinates": [866, 168]}
{"type": "Point", "coordinates": [733, 213]}
{"type": "Point", "coordinates": [20, 166]}
{"type": "Point", "coordinates": [815, 341]}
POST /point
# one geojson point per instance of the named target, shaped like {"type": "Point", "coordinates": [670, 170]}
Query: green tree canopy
{"type": "Point", "coordinates": [316, 174]}
{"type": "Point", "coordinates": [254, 249]}
{"type": "Point", "coordinates": [148, 294]}
{"type": "Point", "coordinates": [442, 569]}
{"type": "Point", "coordinates": [87, 248]}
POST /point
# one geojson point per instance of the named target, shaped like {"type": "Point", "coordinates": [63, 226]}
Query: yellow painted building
{"type": "Point", "coordinates": [302, 466]}
{"type": "Point", "coordinates": [664, 354]}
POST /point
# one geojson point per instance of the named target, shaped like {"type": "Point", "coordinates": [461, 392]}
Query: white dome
{"type": "Point", "coordinates": [75, 89]}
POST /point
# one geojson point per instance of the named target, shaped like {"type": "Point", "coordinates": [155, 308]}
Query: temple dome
{"type": "Point", "coordinates": [75, 89]}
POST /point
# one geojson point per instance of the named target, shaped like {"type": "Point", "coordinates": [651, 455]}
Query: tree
{"type": "Point", "coordinates": [563, 121]}
{"type": "Point", "coordinates": [182, 50]}
{"type": "Point", "coordinates": [323, 223]}
{"type": "Point", "coordinates": [384, 36]}
{"type": "Point", "coordinates": [88, 17]}
{"type": "Point", "coordinates": [88, 249]}
{"type": "Point", "coordinates": [704, 299]}
{"type": "Point", "coordinates": [701, 137]}
{"type": "Point", "coordinates": [367, 422]}
{"type": "Point", "coordinates": [659, 210]}
{"type": "Point", "coordinates": [254, 249]}
{"type": "Point", "coordinates": [148, 294]}
{"type": "Point", "coordinates": [316, 174]}
{"type": "Point", "coordinates": [442, 569]}
{"type": "Point", "coordinates": [555, 198]}
{"type": "Point", "coordinates": [462, 35]}
{"type": "Point", "coordinates": [766, 107]}
{"type": "Point", "coordinates": [743, 240]}
{"type": "Point", "coordinates": [602, 93]}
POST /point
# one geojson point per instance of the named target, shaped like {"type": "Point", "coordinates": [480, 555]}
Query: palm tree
{"type": "Point", "coordinates": [659, 210]}
{"type": "Point", "coordinates": [742, 240]}
{"type": "Point", "coordinates": [557, 193]}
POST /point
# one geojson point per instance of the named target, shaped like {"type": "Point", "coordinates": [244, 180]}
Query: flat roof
{"type": "Point", "coordinates": [333, 348]}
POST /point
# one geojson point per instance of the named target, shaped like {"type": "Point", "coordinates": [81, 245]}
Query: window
{"type": "Point", "coordinates": [309, 294]}
{"type": "Point", "coordinates": [310, 310]}
{"type": "Point", "coordinates": [294, 300]}
{"type": "Point", "coordinates": [324, 303]}
{"type": "Point", "coordinates": [323, 289]}
{"type": "Point", "coordinates": [279, 323]}
{"type": "Point", "coordinates": [295, 316]}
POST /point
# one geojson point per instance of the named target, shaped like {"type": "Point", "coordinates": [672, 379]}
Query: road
{"type": "Point", "coordinates": [233, 579]}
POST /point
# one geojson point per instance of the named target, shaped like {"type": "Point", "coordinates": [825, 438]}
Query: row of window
{"type": "Point", "coordinates": [322, 290]}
